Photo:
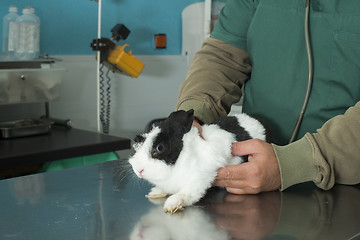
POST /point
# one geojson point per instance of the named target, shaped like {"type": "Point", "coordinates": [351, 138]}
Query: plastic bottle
{"type": "Point", "coordinates": [27, 41]}
{"type": "Point", "coordinates": [9, 30]}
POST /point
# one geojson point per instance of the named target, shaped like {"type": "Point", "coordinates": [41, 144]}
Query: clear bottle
{"type": "Point", "coordinates": [9, 31]}
{"type": "Point", "coordinates": [27, 41]}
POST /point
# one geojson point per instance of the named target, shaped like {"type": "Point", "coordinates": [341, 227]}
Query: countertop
{"type": "Point", "coordinates": [106, 201]}
{"type": "Point", "coordinates": [60, 143]}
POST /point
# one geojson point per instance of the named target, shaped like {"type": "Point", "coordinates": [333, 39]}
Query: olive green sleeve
{"type": "Point", "coordinates": [295, 162]}
{"type": "Point", "coordinates": [329, 156]}
{"type": "Point", "coordinates": [214, 80]}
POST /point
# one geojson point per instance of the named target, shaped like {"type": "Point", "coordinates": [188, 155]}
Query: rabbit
{"type": "Point", "coordinates": [181, 163]}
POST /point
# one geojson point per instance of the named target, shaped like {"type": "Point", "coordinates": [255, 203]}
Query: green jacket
{"type": "Point", "coordinates": [261, 44]}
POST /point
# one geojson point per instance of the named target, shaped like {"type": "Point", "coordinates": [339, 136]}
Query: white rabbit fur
{"type": "Point", "coordinates": [195, 168]}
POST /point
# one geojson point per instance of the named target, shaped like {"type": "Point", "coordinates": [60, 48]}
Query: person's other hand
{"type": "Point", "coordinates": [261, 173]}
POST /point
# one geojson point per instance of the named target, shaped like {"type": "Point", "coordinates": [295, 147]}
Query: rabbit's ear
{"type": "Point", "coordinates": [183, 119]}
{"type": "Point", "coordinates": [139, 139]}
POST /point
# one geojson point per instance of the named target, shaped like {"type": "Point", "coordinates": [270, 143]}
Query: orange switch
{"type": "Point", "coordinates": [160, 40]}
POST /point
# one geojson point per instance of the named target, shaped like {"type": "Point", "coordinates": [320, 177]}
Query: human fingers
{"type": "Point", "coordinates": [232, 172]}
{"type": "Point", "coordinates": [248, 147]}
{"type": "Point", "coordinates": [235, 179]}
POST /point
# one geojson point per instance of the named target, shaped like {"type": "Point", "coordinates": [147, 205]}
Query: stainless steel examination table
{"type": "Point", "coordinates": [106, 201]}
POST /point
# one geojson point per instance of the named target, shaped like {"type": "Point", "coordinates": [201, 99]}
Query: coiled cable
{"type": "Point", "coordinates": [105, 99]}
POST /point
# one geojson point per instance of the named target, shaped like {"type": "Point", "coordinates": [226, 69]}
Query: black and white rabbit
{"type": "Point", "coordinates": [181, 163]}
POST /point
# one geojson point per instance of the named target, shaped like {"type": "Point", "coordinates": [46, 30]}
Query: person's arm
{"type": "Point", "coordinates": [329, 156]}
{"type": "Point", "coordinates": [214, 80]}
{"type": "Point", "coordinates": [221, 66]}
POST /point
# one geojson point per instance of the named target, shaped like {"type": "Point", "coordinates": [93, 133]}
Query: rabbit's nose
{"type": "Point", "coordinates": [140, 173]}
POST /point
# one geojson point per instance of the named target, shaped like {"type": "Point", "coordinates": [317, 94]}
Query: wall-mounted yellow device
{"type": "Point", "coordinates": [115, 57]}
{"type": "Point", "coordinates": [124, 62]}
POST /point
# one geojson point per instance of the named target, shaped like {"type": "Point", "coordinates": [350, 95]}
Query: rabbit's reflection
{"type": "Point", "coordinates": [192, 223]}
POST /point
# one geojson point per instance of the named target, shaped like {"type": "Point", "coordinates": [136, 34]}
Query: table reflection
{"type": "Point", "coordinates": [300, 213]}
{"type": "Point", "coordinates": [102, 202]}
{"type": "Point", "coordinates": [28, 189]}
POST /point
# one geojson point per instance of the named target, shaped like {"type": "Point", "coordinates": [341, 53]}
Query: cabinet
{"type": "Point", "coordinates": [29, 82]}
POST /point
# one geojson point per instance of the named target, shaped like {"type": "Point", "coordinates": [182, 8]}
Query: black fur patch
{"type": "Point", "coordinates": [231, 124]}
{"type": "Point", "coordinates": [168, 144]}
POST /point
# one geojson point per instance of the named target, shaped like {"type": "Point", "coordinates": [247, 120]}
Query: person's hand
{"type": "Point", "coordinates": [248, 216]}
{"type": "Point", "coordinates": [261, 173]}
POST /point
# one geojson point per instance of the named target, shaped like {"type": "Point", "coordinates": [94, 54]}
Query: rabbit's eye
{"type": "Point", "coordinates": [160, 148]}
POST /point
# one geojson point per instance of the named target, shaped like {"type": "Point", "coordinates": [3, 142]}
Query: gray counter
{"type": "Point", "coordinates": [106, 201]}
{"type": "Point", "coordinates": [60, 143]}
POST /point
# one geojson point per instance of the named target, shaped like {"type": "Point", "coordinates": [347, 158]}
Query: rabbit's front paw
{"type": "Point", "coordinates": [174, 203]}
{"type": "Point", "coordinates": [156, 193]}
